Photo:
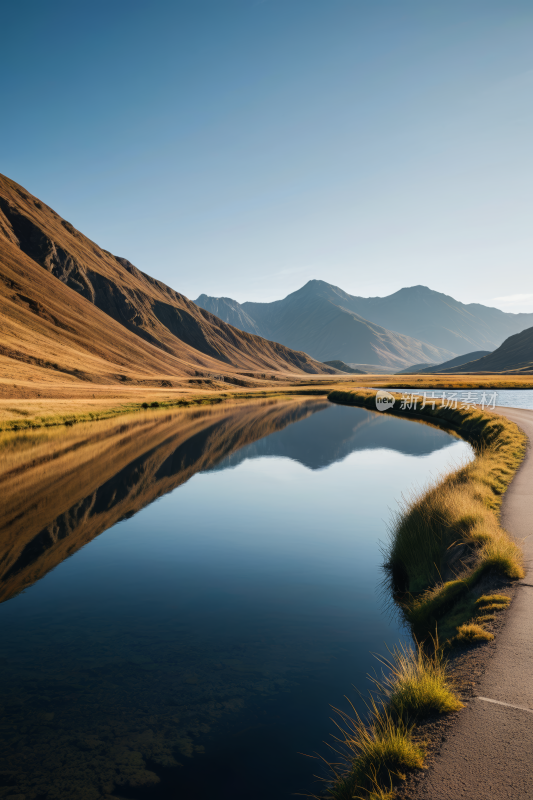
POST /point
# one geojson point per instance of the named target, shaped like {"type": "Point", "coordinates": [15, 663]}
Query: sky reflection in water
{"type": "Point", "coordinates": [214, 627]}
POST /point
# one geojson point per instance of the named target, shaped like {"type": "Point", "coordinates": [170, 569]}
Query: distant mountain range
{"type": "Point", "coordinates": [317, 320]}
{"type": "Point", "coordinates": [415, 325]}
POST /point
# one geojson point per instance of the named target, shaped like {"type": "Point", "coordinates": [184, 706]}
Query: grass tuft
{"type": "Point", "coordinates": [492, 599]}
{"type": "Point", "coordinates": [491, 608]}
{"type": "Point", "coordinates": [417, 683]}
{"type": "Point", "coordinates": [472, 633]}
{"type": "Point", "coordinates": [379, 750]}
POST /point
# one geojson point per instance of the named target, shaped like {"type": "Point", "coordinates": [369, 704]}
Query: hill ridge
{"type": "Point", "coordinates": [432, 318]}
{"type": "Point", "coordinates": [54, 264]}
{"type": "Point", "coordinates": [317, 318]}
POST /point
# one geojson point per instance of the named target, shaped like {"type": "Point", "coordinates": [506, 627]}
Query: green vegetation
{"type": "Point", "coordinates": [441, 544]}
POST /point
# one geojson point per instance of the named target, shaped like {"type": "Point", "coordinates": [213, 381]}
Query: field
{"type": "Point", "coordinates": [33, 399]}
{"type": "Point", "coordinates": [30, 402]}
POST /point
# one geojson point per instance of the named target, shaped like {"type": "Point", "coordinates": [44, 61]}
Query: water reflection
{"type": "Point", "coordinates": [194, 649]}
{"type": "Point", "coordinates": [60, 492]}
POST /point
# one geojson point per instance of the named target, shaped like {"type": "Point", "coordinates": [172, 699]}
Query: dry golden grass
{"type": "Point", "coordinates": [493, 600]}
{"type": "Point", "coordinates": [380, 748]}
{"type": "Point", "coordinates": [416, 682]}
{"type": "Point", "coordinates": [472, 633]}
{"type": "Point", "coordinates": [494, 380]}
{"type": "Point", "coordinates": [35, 394]}
{"type": "Point", "coordinates": [377, 750]}
{"type": "Point", "coordinates": [64, 405]}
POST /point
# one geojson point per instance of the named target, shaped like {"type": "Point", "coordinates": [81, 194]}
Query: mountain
{"type": "Point", "coordinates": [71, 309]}
{"type": "Point", "coordinates": [430, 317]}
{"type": "Point", "coordinates": [457, 362]}
{"type": "Point", "coordinates": [371, 369]}
{"type": "Point", "coordinates": [316, 319]}
{"type": "Point", "coordinates": [419, 368]}
{"type": "Point", "coordinates": [436, 318]}
{"type": "Point", "coordinates": [340, 365]}
{"type": "Point", "coordinates": [230, 311]}
{"type": "Point", "coordinates": [515, 355]}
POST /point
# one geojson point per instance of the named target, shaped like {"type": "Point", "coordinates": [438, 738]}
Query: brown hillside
{"type": "Point", "coordinates": [515, 355]}
{"type": "Point", "coordinates": [70, 308]}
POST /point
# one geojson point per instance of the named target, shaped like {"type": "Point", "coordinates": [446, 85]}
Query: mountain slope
{"type": "Point", "coordinates": [435, 317]}
{"type": "Point", "coordinates": [457, 362]}
{"type": "Point", "coordinates": [417, 368]}
{"type": "Point", "coordinates": [514, 355]}
{"type": "Point", "coordinates": [340, 365]}
{"type": "Point", "coordinates": [230, 311]}
{"type": "Point", "coordinates": [314, 319]}
{"type": "Point", "coordinates": [68, 303]}
{"type": "Point", "coordinates": [431, 317]}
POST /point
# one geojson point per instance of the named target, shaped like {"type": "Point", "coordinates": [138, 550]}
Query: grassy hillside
{"type": "Point", "coordinates": [456, 362]}
{"type": "Point", "coordinates": [515, 355]}
{"type": "Point", "coordinates": [417, 368]}
{"type": "Point", "coordinates": [71, 308]}
{"type": "Point", "coordinates": [340, 365]}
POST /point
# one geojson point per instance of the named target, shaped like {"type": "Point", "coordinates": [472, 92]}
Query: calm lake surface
{"type": "Point", "coordinates": [508, 398]}
{"type": "Point", "coordinates": [184, 595]}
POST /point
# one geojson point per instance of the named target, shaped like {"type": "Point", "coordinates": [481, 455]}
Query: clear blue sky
{"type": "Point", "coordinates": [243, 147]}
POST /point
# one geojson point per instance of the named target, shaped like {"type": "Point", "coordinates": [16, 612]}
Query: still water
{"type": "Point", "coordinates": [184, 595]}
{"type": "Point", "coordinates": [508, 398]}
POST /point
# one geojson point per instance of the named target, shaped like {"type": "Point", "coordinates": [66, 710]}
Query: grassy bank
{"type": "Point", "coordinates": [378, 750]}
{"type": "Point", "coordinates": [25, 421]}
{"type": "Point", "coordinates": [444, 540]}
{"type": "Point", "coordinates": [442, 543]}
{"type": "Point", "coordinates": [458, 381]}
{"type": "Point", "coordinates": [33, 403]}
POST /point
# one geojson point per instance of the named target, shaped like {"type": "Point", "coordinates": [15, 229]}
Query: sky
{"type": "Point", "coordinates": [240, 148]}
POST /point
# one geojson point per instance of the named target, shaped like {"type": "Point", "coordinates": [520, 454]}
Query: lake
{"type": "Point", "coordinates": [487, 398]}
{"type": "Point", "coordinates": [185, 595]}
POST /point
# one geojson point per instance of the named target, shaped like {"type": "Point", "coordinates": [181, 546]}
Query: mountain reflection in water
{"type": "Point", "coordinates": [230, 632]}
{"type": "Point", "coordinates": [60, 493]}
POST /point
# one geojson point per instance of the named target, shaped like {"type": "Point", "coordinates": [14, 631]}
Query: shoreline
{"type": "Point", "coordinates": [32, 404]}
{"type": "Point", "coordinates": [434, 604]}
